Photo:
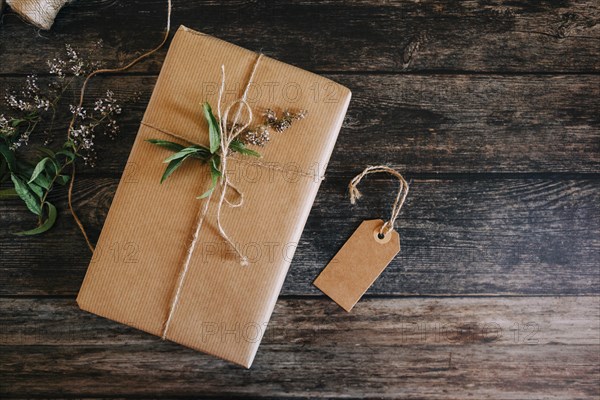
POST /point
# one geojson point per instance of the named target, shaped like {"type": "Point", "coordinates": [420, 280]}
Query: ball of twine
{"type": "Point", "coordinates": [40, 13]}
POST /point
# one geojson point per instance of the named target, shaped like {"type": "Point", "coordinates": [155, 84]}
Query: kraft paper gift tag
{"type": "Point", "coordinates": [137, 277]}
{"type": "Point", "coordinates": [366, 253]}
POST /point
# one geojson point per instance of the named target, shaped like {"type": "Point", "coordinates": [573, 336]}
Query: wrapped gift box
{"type": "Point", "coordinates": [222, 308]}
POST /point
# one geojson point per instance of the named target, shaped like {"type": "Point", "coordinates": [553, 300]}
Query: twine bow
{"type": "Point", "coordinates": [400, 197]}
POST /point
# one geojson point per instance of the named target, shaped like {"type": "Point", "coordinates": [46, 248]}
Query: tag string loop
{"type": "Point", "coordinates": [400, 197]}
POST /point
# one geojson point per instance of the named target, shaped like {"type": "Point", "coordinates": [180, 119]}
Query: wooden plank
{"type": "Point", "coordinates": [459, 237]}
{"type": "Point", "coordinates": [453, 321]}
{"type": "Point", "coordinates": [427, 124]}
{"type": "Point", "coordinates": [368, 35]}
{"type": "Point", "coordinates": [487, 372]}
{"type": "Point", "coordinates": [509, 348]}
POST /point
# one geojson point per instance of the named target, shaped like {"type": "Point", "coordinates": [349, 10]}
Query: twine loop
{"type": "Point", "coordinates": [228, 134]}
{"type": "Point", "coordinates": [355, 194]}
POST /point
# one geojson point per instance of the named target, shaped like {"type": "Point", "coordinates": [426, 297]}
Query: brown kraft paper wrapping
{"type": "Point", "coordinates": [223, 308]}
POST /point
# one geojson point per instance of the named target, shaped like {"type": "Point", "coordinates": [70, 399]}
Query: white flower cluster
{"type": "Point", "coordinates": [79, 112]}
{"type": "Point", "coordinates": [8, 131]}
{"type": "Point", "coordinates": [35, 109]}
{"type": "Point", "coordinates": [74, 64]}
{"type": "Point", "coordinates": [84, 136]}
{"type": "Point", "coordinates": [29, 99]}
{"type": "Point", "coordinates": [102, 118]}
{"type": "Point", "coordinates": [57, 67]}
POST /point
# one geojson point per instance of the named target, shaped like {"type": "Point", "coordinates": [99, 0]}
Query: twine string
{"type": "Point", "coordinates": [81, 98]}
{"type": "Point", "coordinates": [400, 197]}
{"type": "Point", "coordinates": [228, 134]}
{"type": "Point", "coordinates": [183, 271]}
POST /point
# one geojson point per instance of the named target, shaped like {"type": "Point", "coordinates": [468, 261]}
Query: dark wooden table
{"type": "Point", "coordinates": [491, 109]}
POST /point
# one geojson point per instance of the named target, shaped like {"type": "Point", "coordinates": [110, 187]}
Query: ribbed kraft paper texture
{"type": "Point", "coordinates": [223, 308]}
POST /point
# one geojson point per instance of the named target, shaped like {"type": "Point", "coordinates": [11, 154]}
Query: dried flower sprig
{"type": "Point", "coordinates": [261, 134]}
{"type": "Point", "coordinates": [258, 135]}
{"type": "Point", "coordinates": [35, 106]}
{"type": "Point", "coordinates": [100, 119]}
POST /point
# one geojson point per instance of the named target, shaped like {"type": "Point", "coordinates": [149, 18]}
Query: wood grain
{"type": "Point", "coordinates": [410, 348]}
{"type": "Point", "coordinates": [368, 35]}
{"type": "Point", "coordinates": [460, 237]}
{"type": "Point", "coordinates": [426, 124]}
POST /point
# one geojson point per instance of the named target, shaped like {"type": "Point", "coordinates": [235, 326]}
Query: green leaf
{"type": "Point", "coordinates": [215, 164]}
{"type": "Point", "coordinates": [173, 165]}
{"type": "Point", "coordinates": [43, 181]}
{"type": "Point", "coordinates": [214, 134]}
{"type": "Point", "coordinates": [9, 156]}
{"type": "Point", "coordinates": [69, 154]}
{"type": "Point", "coordinates": [8, 194]}
{"type": "Point", "coordinates": [47, 224]}
{"type": "Point", "coordinates": [196, 151]}
{"type": "Point", "coordinates": [208, 192]}
{"type": "Point", "coordinates": [180, 154]}
{"type": "Point", "coordinates": [214, 174]}
{"type": "Point", "coordinates": [62, 179]}
{"type": "Point", "coordinates": [202, 153]}
{"type": "Point", "coordinates": [69, 145]}
{"type": "Point", "coordinates": [39, 168]}
{"type": "Point", "coordinates": [26, 195]}
{"type": "Point", "coordinates": [185, 152]}
{"type": "Point", "coordinates": [37, 189]}
{"type": "Point", "coordinates": [166, 144]}
{"type": "Point", "coordinates": [38, 176]}
{"type": "Point", "coordinates": [239, 147]}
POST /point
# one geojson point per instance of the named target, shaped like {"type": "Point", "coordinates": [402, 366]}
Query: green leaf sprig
{"type": "Point", "coordinates": [33, 183]}
{"type": "Point", "coordinates": [206, 155]}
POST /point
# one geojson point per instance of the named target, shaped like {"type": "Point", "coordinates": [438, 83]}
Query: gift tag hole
{"type": "Point", "coordinates": [380, 237]}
